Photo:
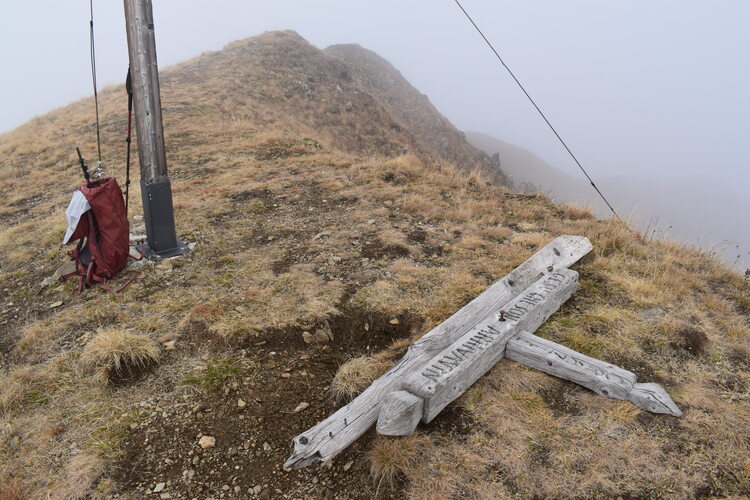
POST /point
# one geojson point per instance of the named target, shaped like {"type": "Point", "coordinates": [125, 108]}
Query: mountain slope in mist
{"type": "Point", "coordinates": [411, 108]}
{"type": "Point", "coordinates": [331, 231]}
{"type": "Point", "coordinates": [691, 210]}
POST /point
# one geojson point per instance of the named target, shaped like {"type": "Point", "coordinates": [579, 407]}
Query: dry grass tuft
{"type": "Point", "coordinates": [354, 376]}
{"type": "Point", "coordinates": [570, 211]}
{"type": "Point", "coordinates": [393, 459]}
{"type": "Point", "coordinates": [408, 237]}
{"type": "Point", "coordinates": [120, 353]}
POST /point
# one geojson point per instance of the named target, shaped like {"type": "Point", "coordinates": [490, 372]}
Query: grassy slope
{"type": "Point", "coordinates": [265, 157]}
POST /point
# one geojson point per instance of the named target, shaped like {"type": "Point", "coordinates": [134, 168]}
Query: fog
{"type": "Point", "coordinates": [649, 90]}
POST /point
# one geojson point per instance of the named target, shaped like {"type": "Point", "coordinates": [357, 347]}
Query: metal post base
{"type": "Point", "coordinates": [161, 238]}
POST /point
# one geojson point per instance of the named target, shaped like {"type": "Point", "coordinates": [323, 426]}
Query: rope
{"type": "Point", "coordinates": [538, 109]}
{"type": "Point", "coordinates": [93, 77]}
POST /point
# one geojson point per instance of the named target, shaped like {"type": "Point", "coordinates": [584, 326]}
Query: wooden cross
{"type": "Point", "coordinates": [446, 361]}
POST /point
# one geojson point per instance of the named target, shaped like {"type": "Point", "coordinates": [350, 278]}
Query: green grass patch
{"type": "Point", "coordinates": [217, 371]}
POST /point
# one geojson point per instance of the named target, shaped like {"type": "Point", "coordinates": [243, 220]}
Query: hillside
{"type": "Point", "coordinates": [323, 212]}
{"type": "Point", "coordinates": [530, 173]}
{"type": "Point", "coordinates": [411, 108]}
{"type": "Point", "coordinates": [690, 210]}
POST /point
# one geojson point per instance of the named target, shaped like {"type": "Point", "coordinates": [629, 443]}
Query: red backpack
{"type": "Point", "coordinates": [103, 234]}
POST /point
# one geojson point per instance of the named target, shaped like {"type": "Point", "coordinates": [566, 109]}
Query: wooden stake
{"type": "Point", "coordinates": [156, 190]}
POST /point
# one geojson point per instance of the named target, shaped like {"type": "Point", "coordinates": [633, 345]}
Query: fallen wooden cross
{"type": "Point", "coordinates": [460, 364]}
{"type": "Point", "coordinates": [441, 365]}
{"type": "Point", "coordinates": [602, 378]}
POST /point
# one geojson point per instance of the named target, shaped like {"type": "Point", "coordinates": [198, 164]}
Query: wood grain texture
{"type": "Point", "coordinates": [652, 397]}
{"type": "Point", "coordinates": [326, 439]}
{"type": "Point", "coordinates": [459, 365]}
{"type": "Point", "coordinates": [603, 378]}
{"type": "Point", "coordinates": [399, 414]}
{"type": "Point", "coordinates": [549, 357]}
{"type": "Point", "coordinates": [144, 74]}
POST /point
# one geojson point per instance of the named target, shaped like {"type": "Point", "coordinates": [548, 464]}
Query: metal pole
{"type": "Point", "coordinates": [156, 190]}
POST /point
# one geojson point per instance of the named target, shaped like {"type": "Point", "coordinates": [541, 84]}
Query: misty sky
{"type": "Point", "coordinates": [646, 88]}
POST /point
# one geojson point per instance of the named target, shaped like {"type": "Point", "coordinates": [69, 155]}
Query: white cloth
{"type": "Point", "coordinates": [78, 206]}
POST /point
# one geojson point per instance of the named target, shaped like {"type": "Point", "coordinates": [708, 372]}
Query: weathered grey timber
{"type": "Point", "coordinates": [156, 189]}
{"type": "Point", "coordinates": [144, 71]}
{"type": "Point", "coordinates": [603, 378]}
{"type": "Point", "coordinates": [652, 397]}
{"type": "Point", "coordinates": [400, 413]}
{"type": "Point", "coordinates": [459, 365]}
{"type": "Point", "coordinates": [326, 439]}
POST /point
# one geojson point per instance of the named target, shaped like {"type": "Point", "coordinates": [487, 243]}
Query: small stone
{"type": "Point", "coordinates": [196, 460]}
{"type": "Point", "coordinates": [265, 494]}
{"type": "Point", "coordinates": [348, 465]}
{"type": "Point", "coordinates": [165, 496]}
{"type": "Point", "coordinates": [225, 487]}
{"type": "Point", "coordinates": [137, 217]}
{"type": "Point", "coordinates": [286, 375]}
{"type": "Point", "coordinates": [177, 261]}
{"type": "Point", "coordinates": [159, 487]}
{"type": "Point", "coordinates": [207, 442]}
{"type": "Point", "coordinates": [394, 321]}
{"type": "Point", "coordinates": [266, 447]}
{"type": "Point", "coordinates": [322, 336]}
{"type": "Point", "coordinates": [237, 489]}
{"type": "Point", "coordinates": [308, 337]}
{"type": "Point", "coordinates": [164, 265]}
{"type": "Point", "coordinates": [257, 489]}
{"type": "Point", "coordinates": [301, 407]}
{"type": "Point", "coordinates": [241, 403]}
{"type": "Point", "coordinates": [268, 365]}
{"type": "Point", "coordinates": [170, 345]}
{"type": "Point", "coordinates": [56, 304]}
{"type": "Point", "coordinates": [371, 221]}
{"type": "Point", "coordinates": [322, 234]}
{"type": "Point", "coordinates": [192, 245]}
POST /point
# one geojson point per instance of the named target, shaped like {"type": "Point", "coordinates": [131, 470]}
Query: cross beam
{"type": "Point", "coordinates": [445, 362]}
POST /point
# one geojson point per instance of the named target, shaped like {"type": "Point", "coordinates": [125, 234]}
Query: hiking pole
{"type": "Point", "coordinates": [83, 166]}
{"type": "Point", "coordinates": [129, 89]}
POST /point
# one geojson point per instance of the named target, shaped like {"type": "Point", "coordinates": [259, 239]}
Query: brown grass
{"type": "Point", "coordinates": [12, 489]}
{"type": "Point", "coordinates": [438, 236]}
{"type": "Point", "coordinates": [120, 353]}
{"type": "Point", "coordinates": [354, 376]}
{"type": "Point", "coordinates": [394, 459]}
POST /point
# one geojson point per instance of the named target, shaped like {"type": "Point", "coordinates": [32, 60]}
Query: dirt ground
{"type": "Point", "coordinates": [275, 373]}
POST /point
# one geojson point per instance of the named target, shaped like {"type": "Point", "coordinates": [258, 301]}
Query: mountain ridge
{"type": "Point", "coordinates": [326, 241]}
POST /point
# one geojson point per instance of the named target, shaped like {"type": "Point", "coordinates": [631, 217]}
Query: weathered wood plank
{"type": "Point", "coordinates": [603, 378]}
{"type": "Point", "coordinates": [549, 357]}
{"type": "Point", "coordinates": [323, 441]}
{"type": "Point", "coordinates": [458, 366]}
{"type": "Point", "coordinates": [652, 397]}
{"type": "Point", "coordinates": [399, 414]}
